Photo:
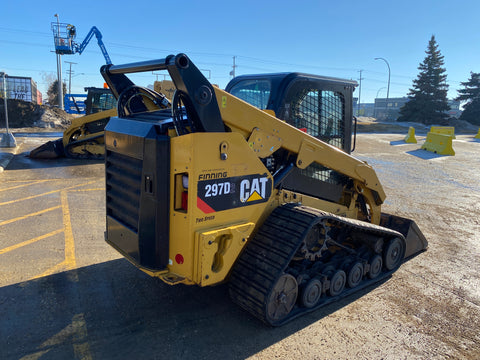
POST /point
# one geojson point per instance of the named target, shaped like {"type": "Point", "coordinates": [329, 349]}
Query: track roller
{"type": "Point", "coordinates": [375, 266]}
{"type": "Point", "coordinates": [355, 274]}
{"type": "Point", "coordinates": [337, 282]}
{"type": "Point", "coordinates": [318, 258]}
{"type": "Point", "coordinates": [311, 293]}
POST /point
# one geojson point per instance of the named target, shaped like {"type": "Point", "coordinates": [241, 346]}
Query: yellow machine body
{"type": "Point", "coordinates": [88, 130]}
{"type": "Point", "coordinates": [207, 242]}
{"type": "Point", "coordinates": [202, 193]}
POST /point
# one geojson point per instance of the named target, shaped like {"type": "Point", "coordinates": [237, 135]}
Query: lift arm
{"type": "Point", "coordinates": [94, 31]}
{"type": "Point", "coordinates": [265, 134]}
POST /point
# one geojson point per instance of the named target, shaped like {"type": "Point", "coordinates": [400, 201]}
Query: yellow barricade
{"type": "Point", "coordinates": [444, 130]}
{"type": "Point", "coordinates": [410, 138]}
{"type": "Point", "coordinates": [478, 134]}
{"type": "Point", "coordinates": [438, 144]}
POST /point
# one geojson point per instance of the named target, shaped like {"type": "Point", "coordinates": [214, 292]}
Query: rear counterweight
{"type": "Point", "coordinates": [137, 173]}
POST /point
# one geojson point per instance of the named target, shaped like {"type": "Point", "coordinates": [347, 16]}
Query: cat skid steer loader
{"type": "Point", "coordinates": [83, 139]}
{"type": "Point", "coordinates": [253, 186]}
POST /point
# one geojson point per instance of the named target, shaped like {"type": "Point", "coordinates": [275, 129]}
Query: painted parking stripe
{"type": "Point", "coordinates": [5, 222]}
{"type": "Point", "coordinates": [31, 241]}
{"type": "Point", "coordinates": [47, 193]}
{"type": "Point", "coordinates": [28, 184]}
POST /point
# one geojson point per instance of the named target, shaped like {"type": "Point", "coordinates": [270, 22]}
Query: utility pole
{"type": "Point", "coordinates": [359, 92]}
{"type": "Point", "coordinates": [70, 76]}
{"type": "Point", "coordinates": [232, 73]}
{"type": "Point", "coordinates": [59, 69]}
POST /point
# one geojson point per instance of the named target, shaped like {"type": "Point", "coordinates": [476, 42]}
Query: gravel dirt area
{"type": "Point", "coordinates": [24, 114]}
{"type": "Point", "coordinates": [430, 308]}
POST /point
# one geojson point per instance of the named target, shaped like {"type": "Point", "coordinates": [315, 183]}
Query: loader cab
{"type": "Point", "coordinates": [320, 106]}
{"type": "Point", "coordinates": [98, 100]}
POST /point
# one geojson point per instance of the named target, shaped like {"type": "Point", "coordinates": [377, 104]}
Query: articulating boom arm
{"type": "Point", "coordinates": [94, 31]}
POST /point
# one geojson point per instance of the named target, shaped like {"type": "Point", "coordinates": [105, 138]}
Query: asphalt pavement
{"type": "Point", "coordinates": [66, 294]}
{"type": "Point", "coordinates": [7, 153]}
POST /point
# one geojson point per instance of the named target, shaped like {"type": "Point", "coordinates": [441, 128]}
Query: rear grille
{"type": "Point", "coordinates": [123, 185]}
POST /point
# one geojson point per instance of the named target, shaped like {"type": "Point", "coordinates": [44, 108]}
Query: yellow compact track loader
{"type": "Point", "coordinates": [83, 139]}
{"type": "Point", "coordinates": [253, 186]}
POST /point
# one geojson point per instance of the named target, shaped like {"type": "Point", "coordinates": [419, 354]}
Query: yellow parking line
{"type": "Point", "coordinates": [47, 193]}
{"type": "Point", "coordinates": [35, 356]}
{"type": "Point", "coordinates": [75, 333]}
{"type": "Point", "coordinates": [70, 261]}
{"type": "Point", "coordinates": [93, 189]}
{"type": "Point", "coordinates": [23, 185]}
{"type": "Point", "coordinates": [50, 271]}
{"type": "Point", "coordinates": [29, 215]}
{"type": "Point", "coordinates": [81, 347]}
{"type": "Point", "coordinates": [28, 242]}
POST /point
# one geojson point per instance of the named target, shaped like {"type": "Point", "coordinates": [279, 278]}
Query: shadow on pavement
{"type": "Point", "coordinates": [398, 142]}
{"type": "Point", "coordinates": [22, 161]}
{"type": "Point", "coordinates": [424, 154]}
{"type": "Point", "coordinates": [114, 311]}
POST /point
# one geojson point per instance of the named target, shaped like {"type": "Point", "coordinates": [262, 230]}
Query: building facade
{"type": "Point", "coordinates": [390, 110]}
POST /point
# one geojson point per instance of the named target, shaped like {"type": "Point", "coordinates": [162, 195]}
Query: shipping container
{"type": "Point", "coordinates": [20, 88]}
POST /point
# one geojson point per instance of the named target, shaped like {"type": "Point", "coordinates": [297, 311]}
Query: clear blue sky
{"type": "Point", "coordinates": [332, 38]}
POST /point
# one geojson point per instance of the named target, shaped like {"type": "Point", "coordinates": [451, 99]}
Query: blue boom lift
{"type": "Point", "coordinates": [64, 37]}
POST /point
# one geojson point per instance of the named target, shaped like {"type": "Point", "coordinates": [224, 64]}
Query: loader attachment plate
{"type": "Point", "coordinates": [50, 150]}
{"type": "Point", "coordinates": [415, 240]}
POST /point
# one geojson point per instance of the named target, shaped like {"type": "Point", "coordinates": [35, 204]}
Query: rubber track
{"type": "Point", "coordinates": [269, 253]}
{"type": "Point", "coordinates": [81, 143]}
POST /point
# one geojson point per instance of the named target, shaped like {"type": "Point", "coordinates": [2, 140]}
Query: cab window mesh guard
{"type": "Point", "coordinates": [322, 114]}
{"type": "Point", "coordinates": [322, 173]}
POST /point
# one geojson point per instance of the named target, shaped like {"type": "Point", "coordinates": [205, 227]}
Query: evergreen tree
{"type": "Point", "coordinates": [428, 98]}
{"type": "Point", "coordinates": [471, 94]}
{"type": "Point", "coordinates": [52, 92]}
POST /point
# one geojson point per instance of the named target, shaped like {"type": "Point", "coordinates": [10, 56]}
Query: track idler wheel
{"type": "Point", "coordinates": [282, 298]}
{"type": "Point", "coordinates": [394, 253]}
{"type": "Point", "coordinates": [311, 293]}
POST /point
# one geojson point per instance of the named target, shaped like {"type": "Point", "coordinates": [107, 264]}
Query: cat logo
{"type": "Point", "coordinates": [253, 189]}
{"type": "Point", "coordinates": [220, 193]}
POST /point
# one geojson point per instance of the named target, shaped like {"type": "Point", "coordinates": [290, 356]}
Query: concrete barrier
{"type": "Point", "coordinates": [439, 144]}
{"type": "Point", "coordinates": [410, 138]}
{"type": "Point", "coordinates": [444, 130]}
{"type": "Point", "coordinates": [478, 134]}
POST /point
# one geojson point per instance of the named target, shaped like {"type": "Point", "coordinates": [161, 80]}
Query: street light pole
{"type": "Point", "coordinates": [5, 94]}
{"type": "Point", "coordinates": [388, 86]}
{"type": "Point", "coordinates": [8, 140]}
